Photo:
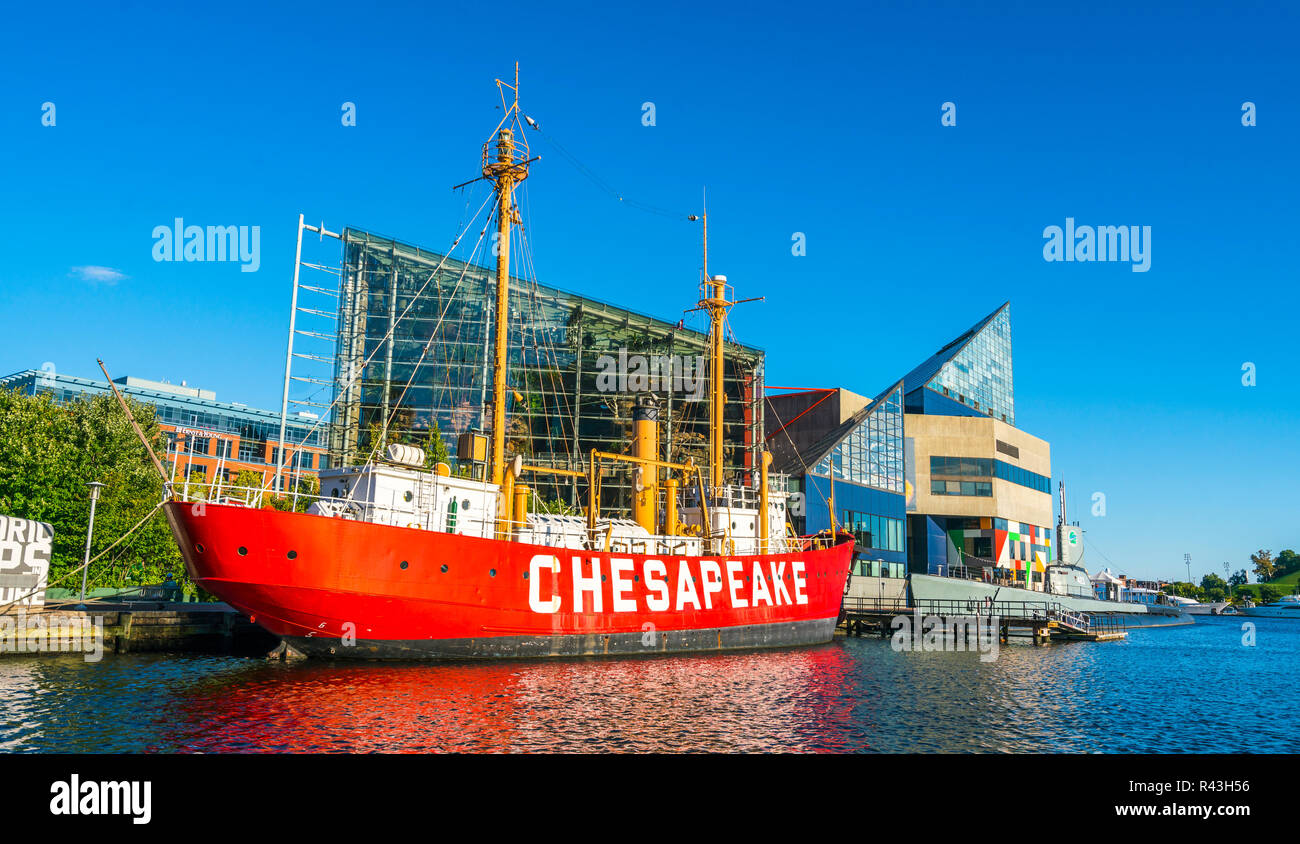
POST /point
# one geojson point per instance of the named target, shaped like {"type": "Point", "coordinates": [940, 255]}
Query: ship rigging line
{"type": "Point", "coordinates": [530, 273]}
{"type": "Point", "coordinates": [602, 184]}
{"type": "Point", "coordinates": [432, 336]}
{"type": "Point", "coordinates": [355, 374]}
{"type": "Point", "coordinates": [66, 574]}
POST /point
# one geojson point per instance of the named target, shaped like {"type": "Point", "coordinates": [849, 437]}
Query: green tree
{"type": "Point", "coordinates": [1238, 578]}
{"type": "Point", "coordinates": [1287, 562]}
{"type": "Point", "coordinates": [1268, 594]}
{"type": "Point", "coordinates": [308, 489]}
{"type": "Point", "coordinates": [195, 487]}
{"type": "Point", "coordinates": [435, 450]}
{"type": "Point", "coordinates": [1264, 568]}
{"type": "Point", "coordinates": [48, 452]}
{"type": "Point", "coordinates": [1183, 589]}
{"type": "Point", "coordinates": [1214, 587]}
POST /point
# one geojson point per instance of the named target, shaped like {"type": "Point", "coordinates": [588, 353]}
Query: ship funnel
{"type": "Point", "coordinates": [645, 446]}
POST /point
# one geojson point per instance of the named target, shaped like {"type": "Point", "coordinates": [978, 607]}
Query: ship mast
{"type": "Point", "coordinates": [714, 300]}
{"type": "Point", "coordinates": [505, 170]}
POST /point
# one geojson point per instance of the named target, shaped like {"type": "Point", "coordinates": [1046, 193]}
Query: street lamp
{"type": "Point", "coordinates": [95, 487]}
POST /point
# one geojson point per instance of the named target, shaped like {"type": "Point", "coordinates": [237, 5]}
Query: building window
{"type": "Point", "coordinates": [982, 467]}
{"type": "Point", "coordinates": [873, 531]}
{"type": "Point", "coordinates": [252, 451]}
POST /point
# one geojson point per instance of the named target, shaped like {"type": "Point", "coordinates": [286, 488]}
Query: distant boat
{"type": "Point", "coordinates": [1194, 607]}
{"type": "Point", "coordinates": [1288, 606]}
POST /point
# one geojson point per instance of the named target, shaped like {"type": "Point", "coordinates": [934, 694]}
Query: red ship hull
{"type": "Point", "coordinates": [342, 588]}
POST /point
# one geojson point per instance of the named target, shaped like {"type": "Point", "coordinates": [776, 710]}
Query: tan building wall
{"type": "Point", "coordinates": [978, 436]}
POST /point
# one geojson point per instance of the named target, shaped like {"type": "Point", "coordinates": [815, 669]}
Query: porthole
{"type": "Point", "coordinates": [199, 547]}
{"type": "Point", "coordinates": [243, 552]}
{"type": "Point", "coordinates": [464, 505]}
{"type": "Point", "coordinates": [293, 555]}
{"type": "Point", "coordinates": [334, 493]}
{"type": "Point", "coordinates": [404, 564]}
{"type": "Point", "coordinates": [492, 572]}
{"type": "Point", "coordinates": [406, 496]}
{"type": "Point", "coordinates": [444, 568]}
{"type": "Point", "coordinates": [525, 575]}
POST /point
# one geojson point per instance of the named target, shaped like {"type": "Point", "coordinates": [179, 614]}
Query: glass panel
{"type": "Point", "coordinates": [980, 374]}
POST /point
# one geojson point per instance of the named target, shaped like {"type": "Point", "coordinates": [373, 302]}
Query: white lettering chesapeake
{"type": "Point", "coordinates": [796, 569]}
{"type": "Point", "coordinates": [686, 588]}
{"type": "Point", "coordinates": [761, 592]}
{"type": "Point", "coordinates": [589, 585]}
{"type": "Point", "coordinates": [539, 563]}
{"type": "Point", "coordinates": [778, 582]}
{"type": "Point", "coordinates": [658, 585]}
{"type": "Point", "coordinates": [74, 797]}
{"type": "Point", "coordinates": [619, 568]}
{"type": "Point", "coordinates": [712, 585]}
{"type": "Point", "coordinates": [733, 582]}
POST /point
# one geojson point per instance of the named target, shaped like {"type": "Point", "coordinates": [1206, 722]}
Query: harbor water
{"type": "Point", "coordinates": [1201, 688]}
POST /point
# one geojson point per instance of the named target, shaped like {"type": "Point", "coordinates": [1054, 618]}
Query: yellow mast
{"type": "Point", "coordinates": [505, 171]}
{"type": "Point", "coordinates": [716, 304]}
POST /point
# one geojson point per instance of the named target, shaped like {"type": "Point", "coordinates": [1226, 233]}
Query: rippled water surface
{"type": "Point", "coordinates": [1188, 689]}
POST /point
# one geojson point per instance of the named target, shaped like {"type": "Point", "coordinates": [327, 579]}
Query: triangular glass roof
{"type": "Point", "coordinates": [974, 369]}
{"type": "Point", "coordinates": [867, 448]}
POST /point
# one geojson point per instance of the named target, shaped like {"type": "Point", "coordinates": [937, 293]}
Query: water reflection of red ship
{"type": "Point", "coordinates": [793, 701]}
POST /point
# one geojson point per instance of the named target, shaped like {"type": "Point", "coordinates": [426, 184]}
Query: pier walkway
{"type": "Point", "coordinates": [1044, 621]}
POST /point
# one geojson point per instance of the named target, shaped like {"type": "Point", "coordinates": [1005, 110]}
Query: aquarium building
{"type": "Point", "coordinates": [936, 459]}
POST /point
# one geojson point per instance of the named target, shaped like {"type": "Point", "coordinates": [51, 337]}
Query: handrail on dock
{"type": "Point", "coordinates": [1011, 611]}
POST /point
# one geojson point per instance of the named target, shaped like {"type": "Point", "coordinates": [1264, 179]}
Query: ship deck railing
{"type": "Point", "coordinates": [258, 498]}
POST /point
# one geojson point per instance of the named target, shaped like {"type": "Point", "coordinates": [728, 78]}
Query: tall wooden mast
{"type": "Point", "coordinates": [505, 169]}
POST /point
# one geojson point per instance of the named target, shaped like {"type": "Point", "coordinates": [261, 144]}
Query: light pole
{"type": "Point", "coordinates": [1187, 558]}
{"type": "Point", "coordinates": [95, 487]}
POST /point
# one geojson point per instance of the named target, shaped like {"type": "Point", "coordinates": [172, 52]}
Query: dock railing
{"type": "Point", "coordinates": [1013, 612]}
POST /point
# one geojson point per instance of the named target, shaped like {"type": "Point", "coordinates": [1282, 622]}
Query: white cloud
{"type": "Point", "coordinates": [98, 275]}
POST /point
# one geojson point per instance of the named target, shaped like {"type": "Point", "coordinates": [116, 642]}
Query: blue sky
{"type": "Point", "coordinates": [820, 119]}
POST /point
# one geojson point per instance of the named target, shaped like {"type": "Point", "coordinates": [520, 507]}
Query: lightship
{"type": "Point", "coordinates": [399, 561]}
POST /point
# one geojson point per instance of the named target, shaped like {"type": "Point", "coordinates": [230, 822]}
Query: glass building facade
{"type": "Point", "coordinates": [872, 452]}
{"type": "Point", "coordinates": [979, 375]}
{"type": "Point", "coordinates": [575, 367]}
{"type": "Point", "coordinates": [199, 430]}
{"type": "Point", "coordinates": [859, 466]}
{"type": "Point", "coordinates": [985, 468]}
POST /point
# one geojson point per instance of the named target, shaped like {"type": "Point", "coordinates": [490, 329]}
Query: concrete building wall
{"type": "Point", "coordinates": [808, 416]}
{"type": "Point", "coordinates": [970, 436]}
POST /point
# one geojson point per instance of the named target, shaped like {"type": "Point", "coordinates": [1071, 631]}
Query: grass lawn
{"type": "Point", "coordinates": [1285, 585]}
